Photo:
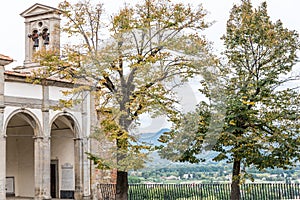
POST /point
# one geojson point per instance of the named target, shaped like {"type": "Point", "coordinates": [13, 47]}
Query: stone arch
{"type": "Point", "coordinates": [66, 156]}
{"type": "Point", "coordinates": [67, 118]}
{"type": "Point", "coordinates": [22, 129]}
{"type": "Point", "coordinates": [29, 117]}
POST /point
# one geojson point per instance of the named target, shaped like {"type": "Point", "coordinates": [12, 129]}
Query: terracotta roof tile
{"type": "Point", "coordinates": [23, 74]}
{"type": "Point", "coordinates": [28, 74]}
{"type": "Point", "coordinates": [3, 57]}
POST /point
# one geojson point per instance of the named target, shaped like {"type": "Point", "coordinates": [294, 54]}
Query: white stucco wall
{"type": "Point", "coordinates": [55, 93]}
{"type": "Point", "coordinates": [26, 90]}
{"type": "Point", "coordinates": [62, 149]}
{"type": "Point", "coordinates": [20, 160]}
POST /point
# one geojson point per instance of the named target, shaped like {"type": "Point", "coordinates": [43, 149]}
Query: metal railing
{"type": "Point", "coordinates": [249, 191]}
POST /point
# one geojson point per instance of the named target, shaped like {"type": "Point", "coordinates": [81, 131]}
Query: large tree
{"type": "Point", "coordinates": [251, 117]}
{"type": "Point", "coordinates": [132, 63]}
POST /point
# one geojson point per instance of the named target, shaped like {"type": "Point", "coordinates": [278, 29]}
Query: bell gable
{"type": "Point", "coordinates": [38, 9]}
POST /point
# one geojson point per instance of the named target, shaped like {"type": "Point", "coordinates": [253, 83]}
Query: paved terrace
{"type": "Point", "coordinates": [27, 198]}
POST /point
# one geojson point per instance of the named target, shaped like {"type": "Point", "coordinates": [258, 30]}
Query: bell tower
{"type": "Point", "coordinates": [42, 25]}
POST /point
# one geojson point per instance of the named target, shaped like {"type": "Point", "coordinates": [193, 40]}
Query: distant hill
{"type": "Point", "coordinates": [152, 138]}
{"type": "Point", "coordinates": [155, 160]}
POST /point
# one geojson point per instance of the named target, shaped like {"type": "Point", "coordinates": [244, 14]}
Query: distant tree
{"type": "Point", "coordinates": [134, 179]}
{"type": "Point", "coordinates": [254, 97]}
{"type": "Point", "coordinates": [132, 65]}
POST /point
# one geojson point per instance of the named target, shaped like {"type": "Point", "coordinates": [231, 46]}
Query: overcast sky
{"type": "Point", "coordinates": [12, 34]}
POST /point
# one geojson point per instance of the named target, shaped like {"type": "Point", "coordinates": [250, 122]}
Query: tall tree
{"type": "Point", "coordinates": [132, 65]}
{"type": "Point", "coordinates": [258, 109]}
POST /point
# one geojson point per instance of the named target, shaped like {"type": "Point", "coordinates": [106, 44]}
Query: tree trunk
{"type": "Point", "coordinates": [235, 184]}
{"type": "Point", "coordinates": [122, 144]}
{"type": "Point", "coordinates": [122, 186]}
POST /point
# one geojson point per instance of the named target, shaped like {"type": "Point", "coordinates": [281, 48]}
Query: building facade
{"type": "Point", "coordinates": [42, 151]}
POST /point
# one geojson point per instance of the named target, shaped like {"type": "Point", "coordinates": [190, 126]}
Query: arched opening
{"type": "Point", "coordinates": [20, 131]}
{"type": "Point", "coordinates": [45, 36]}
{"type": "Point", "coordinates": [35, 38]}
{"type": "Point", "coordinates": [63, 152]}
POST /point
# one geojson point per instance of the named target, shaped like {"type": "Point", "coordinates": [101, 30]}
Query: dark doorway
{"type": "Point", "coordinates": [54, 178]}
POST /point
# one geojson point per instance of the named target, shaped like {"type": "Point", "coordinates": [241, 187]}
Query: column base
{"type": "Point", "coordinates": [42, 198]}
{"type": "Point", "coordinates": [86, 198]}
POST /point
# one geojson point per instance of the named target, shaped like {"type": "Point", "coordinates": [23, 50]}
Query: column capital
{"type": "Point", "coordinates": [45, 109]}
{"type": "Point", "coordinates": [38, 137]}
{"type": "Point", "coordinates": [77, 138]}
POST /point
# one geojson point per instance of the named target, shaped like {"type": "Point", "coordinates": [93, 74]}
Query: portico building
{"type": "Point", "coordinates": [42, 150]}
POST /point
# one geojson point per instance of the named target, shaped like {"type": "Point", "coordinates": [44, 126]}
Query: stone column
{"type": "Point", "coordinates": [78, 168]}
{"type": "Point", "coordinates": [54, 33]}
{"type": "Point", "coordinates": [28, 46]}
{"type": "Point", "coordinates": [2, 157]}
{"type": "Point", "coordinates": [4, 60]}
{"type": "Point", "coordinates": [41, 167]}
{"type": "Point", "coordinates": [46, 144]}
{"type": "Point", "coordinates": [38, 167]}
{"type": "Point", "coordinates": [86, 147]}
{"type": "Point", "coordinates": [46, 168]}
{"type": "Point", "coordinates": [93, 147]}
{"type": "Point", "coordinates": [86, 171]}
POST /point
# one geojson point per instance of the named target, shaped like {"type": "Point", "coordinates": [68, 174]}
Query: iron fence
{"type": "Point", "coordinates": [249, 191]}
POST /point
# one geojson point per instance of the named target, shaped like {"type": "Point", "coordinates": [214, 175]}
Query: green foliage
{"type": "Point", "coordinates": [131, 69]}
{"type": "Point", "coordinates": [260, 117]}
{"type": "Point", "coordinates": [134, 179]}
{"type": "Point", "coordinates": [189, 131]}
{"type": "Point", "coordinates": [100, 163]}
{"type": "Point", "coordinates": [261, 126]}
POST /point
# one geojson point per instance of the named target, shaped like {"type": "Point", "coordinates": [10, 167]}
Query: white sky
{"type": "Point", "coordinates": [12, 34]}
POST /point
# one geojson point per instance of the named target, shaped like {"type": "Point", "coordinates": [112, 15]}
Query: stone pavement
{"type": "Point", "coordinates": [24, 198]}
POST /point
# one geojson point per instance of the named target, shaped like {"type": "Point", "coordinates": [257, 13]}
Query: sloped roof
{"type": "Point", "coordinates": [3, 57]}
{"type": "Point", "coordinates": [5, 60]}
{"type": "Point", "coordinates": [38, 9]}
{"type": "Point", "coordinates": [18, 76]}
{"type": "Point", "coordinates": [15, 76]}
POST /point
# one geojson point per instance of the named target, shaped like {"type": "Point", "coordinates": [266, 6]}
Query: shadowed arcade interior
{"type": "Point", "coordinates": [62, 158]}
{"type": "Point", "coordinates": [20, 154]}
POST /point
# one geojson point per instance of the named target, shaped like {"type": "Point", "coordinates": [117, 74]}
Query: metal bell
{"type": "Point", "coordinates": [46, 40]}
{"type": "Point", "coordinates": [36, 42]}
{"type": "Point", "coordinates": [45, 36]}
